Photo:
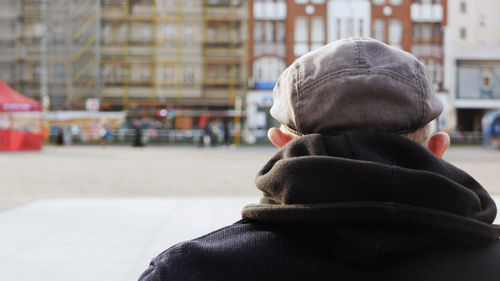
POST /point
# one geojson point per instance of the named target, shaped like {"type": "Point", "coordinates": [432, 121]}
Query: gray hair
{"type": "Point", "coordinates": [420, 136]}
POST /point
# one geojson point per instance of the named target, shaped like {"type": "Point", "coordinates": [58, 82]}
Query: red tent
{"type": "Point", "coordinates": [20, 121]}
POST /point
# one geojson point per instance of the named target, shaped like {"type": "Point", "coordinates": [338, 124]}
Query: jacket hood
{"type": "Point", "coordinates": [370, 197]}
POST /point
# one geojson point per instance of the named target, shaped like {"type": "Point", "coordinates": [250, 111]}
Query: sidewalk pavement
{"type": "Point", "coordinates": [104, 239]}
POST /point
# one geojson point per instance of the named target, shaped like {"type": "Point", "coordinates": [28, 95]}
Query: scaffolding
{"type": "Point", "coordinates": [84, 55]}
{"type": "Point", "coordinates": [190, 54]}
{"type": "Point", "coordinates": [146, 52]}
{"type": "Point", "coordinates": [9, 14]}
{"type": "Point", "coordinates": [225, 53]}
{"type": "Point", "coordinates": [50, 49]}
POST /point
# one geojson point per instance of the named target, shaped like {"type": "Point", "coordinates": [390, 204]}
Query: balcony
{"type": "Point", "coordinates": [31, 10]}
{"type": "Point", "coordinates": [179, 91]}
{"type": "Point", "coordinates": [225, 97]}
{"type": "Point", "coordinates": [7, 54]}
{"type": "Point", "coordinates": [112, 13]}
{"type": "Point", "coordinates": [427, 50]}
{"type": "Point", "coordinates": [217, 13]}
{"type": "Point", "coordinates": [426, 12]}
{"type": "Point", "coordinates": [9, 11]}
{"type": "Point", "coordinates": [269, 10]}
{"type": "Point", "coordinates": [269, 49]}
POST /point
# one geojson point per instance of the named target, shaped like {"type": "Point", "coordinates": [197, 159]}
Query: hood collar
{"type": "Point", "coordinates": [372, 196]}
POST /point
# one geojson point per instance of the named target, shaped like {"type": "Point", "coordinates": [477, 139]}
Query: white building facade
{"type": "Point", "coordinates": [472, 61]}
{"type": "Point", "coordinates": [348, 18]}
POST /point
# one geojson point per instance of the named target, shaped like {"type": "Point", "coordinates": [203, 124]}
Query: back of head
{"type": "Point", "coordinates": [355, 84]}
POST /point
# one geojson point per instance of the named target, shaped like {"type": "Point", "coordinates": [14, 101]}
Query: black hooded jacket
{"type": "Point", "coordinates": [361, 206]}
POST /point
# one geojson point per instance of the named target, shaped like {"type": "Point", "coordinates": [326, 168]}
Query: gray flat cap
{"type": "Point", "coordinates": [355, 84]}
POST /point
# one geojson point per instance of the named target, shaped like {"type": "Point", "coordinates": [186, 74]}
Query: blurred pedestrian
{"type": "Point", "coordinates": [105, 134]}
{"type": "Point", "coordinates": [225, 130]}
{"type": "Point", "coordinates": [137, 133]}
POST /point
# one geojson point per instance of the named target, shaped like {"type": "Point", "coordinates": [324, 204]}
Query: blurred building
{"type": "Point", "coordinates": [306, 26]}
{"type": "Point", "coordinates": [414, 26]}
{"type": "Point", "coordinates": [349, 18]}
{"type": "Point", "coordinates": [280, 32]}
{"type": "Point", "coordinates": [190, 55]}
{"type": "Point", "coordinates": [9, 14]}
{"type": "Point", "coordinates": [50, 48]}
{"type": "Point", "coordinates": [388, 20]}
{"type": "Point", "coordinates": [472, 61]}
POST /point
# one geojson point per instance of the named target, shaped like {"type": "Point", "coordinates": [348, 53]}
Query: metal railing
{"type": "Point", "coordinates": [466, 137]}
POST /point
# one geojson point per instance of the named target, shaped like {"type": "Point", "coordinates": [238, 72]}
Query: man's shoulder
{"type": "Point", "coordinates": [212, 256]}
{"type": "Point", "coordinates": [248, 250]}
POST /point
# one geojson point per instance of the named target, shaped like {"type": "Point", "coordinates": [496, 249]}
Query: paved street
{"type": "Point", "coordinates": [94, 213]}
{"type": "Point", "coordinates": [122, 171]}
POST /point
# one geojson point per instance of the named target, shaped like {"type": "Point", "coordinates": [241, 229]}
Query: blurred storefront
{"type": "Point", "coordinates": [20, 121]}
{"type": "Point", "coordinates": [472, 63]}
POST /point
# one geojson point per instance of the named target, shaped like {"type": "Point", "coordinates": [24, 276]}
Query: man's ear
{"type": "Point", "coordinates": [438, 144]}
{"type": "Point", "coordinates": [278, 138]}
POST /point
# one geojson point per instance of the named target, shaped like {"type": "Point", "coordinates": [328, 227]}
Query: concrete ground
{"type": "Point", "coordinates": [102, 239]}
{"type": "Point", "coordinates": [121, 171]}
{"type": "Point", "coordinates": [94, 213]}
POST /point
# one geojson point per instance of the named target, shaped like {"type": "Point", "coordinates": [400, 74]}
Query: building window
{"type": "Point", "coordinates": [188, 36]}
{"type": "Point", "coordinates": [482, 20]}
{"type": "Point", "coordinates": [379, 29]}
{"type": "Point", "coordinates": [37, 72]}
{"type": "Point", "coordinates": [168, 74]}
{"type": "Point", "coordinates": [379, 2]}
{"type": "Point", "coordinates": [361, 30]}
{"type": "Point", "coordinates": [317, 32]}
{"type": "Point", "coordinates": [106, 33]}
{"type": "Point", "coordinates": [463, 7]}
{"type": "Point", "coordinates": [122, 33]}
{"type": "Point", "coordinates": [432, 69]}
{"type": "Point", "coordinates": [106, 73]}
{"type": "Point", "coordinates": [301, 35]}
{"type": "Point", "coordinates": [280, 32]}
{"type": "Point", "coordinates": [257, 31]}
{"type": "Point", "coordinates": [169, 2]}
{"type": "Point", "coordinates": [349, 27]}
{"type": "Point", "coordinates": [339, 28]}
{"type": "Point", "coordinates": [58, 32]}
{"type": "Point", "coordinates": [437, 30]}
{"type": "Point", "coordinates": [395, 33]}
{"type": "Point", "coordinates": [426, 31]}
{"type": "Point", "coordinates": [301, 1]}
{"type": "Point", "coordinates": [395, 2]}
{"type": "Point", "coordinates": [146, 32]}
{"type": "Point", "coordinates": [188, 76]}
{"type": "Point", "coordinates": [269, 31]}
{"type": "Point", "coordinates": [268, 69]}
{"type": "Point", "coordinates": [463, 33]}
{"type": "Point", "coordinates": [416, 31]}
{"type": "Point", "coordinates": [168, 31]}
{"type": "Point", "coordinates": [145, 73]}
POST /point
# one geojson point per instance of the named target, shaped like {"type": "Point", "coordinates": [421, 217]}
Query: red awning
{"type": "Point", "coordinates": [12, 101]}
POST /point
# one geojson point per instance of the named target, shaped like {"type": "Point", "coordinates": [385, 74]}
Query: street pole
{"type": "Point", "coordinates": [237, 121]}
{"type": "Point", "coordinates": [44, 75]}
